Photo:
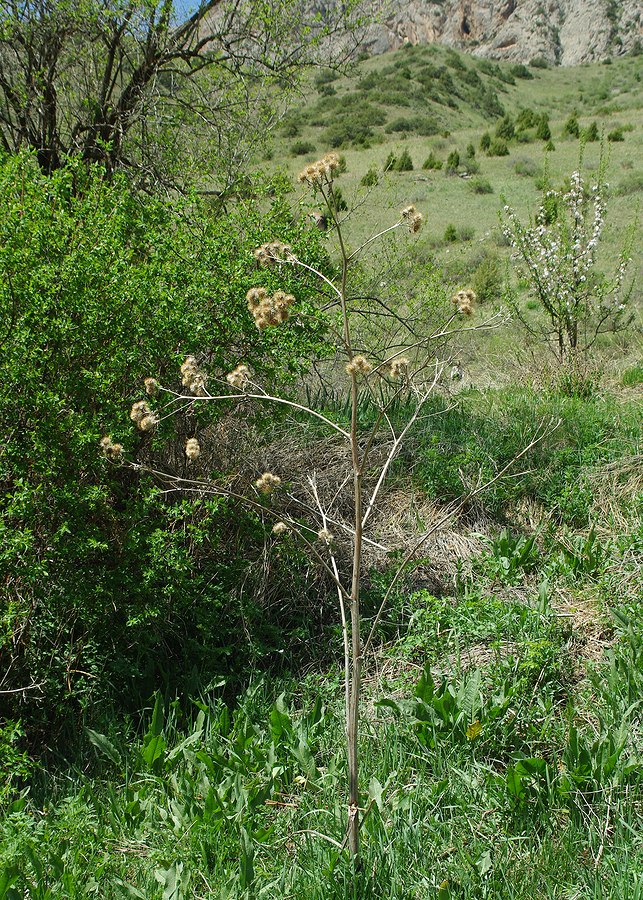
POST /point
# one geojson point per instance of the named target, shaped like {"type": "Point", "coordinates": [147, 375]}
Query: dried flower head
{"type": "Point", "coordinates": [148, 422]}
{"type": "Point", "coordinates": [111, 450]}
{"type": "Point", "coordinates": [139, 410]}
{"type": "Point", "coordinates": [273, 252]}
{"type": "Point", "coordinates": [238, 378]}
{"type": "Point", "coordinates": [151, 386]}
{"type": "Point", "coordinates": [464, 301]}
{"type": "Point", "coordinates": [413, 218]}
{"type": "Point", "coordinates": [358, 365]}
{"type": "Point", "coordinates": [269, 310]}
{"type": "Point", "coordinates": [280, 528]}
{"type": "Point", "coordinates": [321, 171]}
{"type": "Point", "coordinates": [192, 449]}
{"type": "Point", "coordinates": [326, 536]}
{"type": "Point", "coordinates": [267, 483]}
{"type": "Point", "coordinates": [193, 378]}
{"type": "Point", "coordinates": [399, 367]}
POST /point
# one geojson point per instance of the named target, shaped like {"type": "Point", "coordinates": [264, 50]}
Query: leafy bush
{"type": "Point", "coordinates": [505, 129]}
{"type": "Point", "coordinates": [521, 71]}
{"type": "Point", "coordinates": [487, 280]}
{"type": "Point", "coordinates": [543, 131]}
{"type": "Point", "coordinates": [616, 135]}
{"type": "Point", "coordinates": [453, 162]}
{"type": "Point", "coordinates": [485, 141]}
{"type": "Point", "coordinates": [432, 162]}
{"type": "Point", "coordinates": [498, 147]}
{"type": "Point", "coordinates": [481, 186]}
{"type": "Point", "coordinates": [301, 148]}
{"type": "Point", "coordinates": [591, 133]}
{"type": "Point", "coordinates": [404, 163]}
{"type": "Point", "coordinates": [370, 179]}
{"type": "Point", "coordinates": [571, 126]}
{"type": "Point", "coordinates": [109, 585]}
{"type": "Point", "coordinates": [450, 234]}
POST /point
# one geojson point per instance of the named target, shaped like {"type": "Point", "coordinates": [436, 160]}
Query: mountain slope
{"type": "Point", "coordinates": [565, 32]}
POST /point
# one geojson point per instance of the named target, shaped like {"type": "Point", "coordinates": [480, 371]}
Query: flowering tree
{"type": "Point", "coordinates": [558, 252]}
{"type": "Point", "coordinates": [318, 520]}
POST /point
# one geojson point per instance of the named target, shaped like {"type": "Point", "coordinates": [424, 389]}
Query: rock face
{"type": "Point", "coordinates": [564, 32]}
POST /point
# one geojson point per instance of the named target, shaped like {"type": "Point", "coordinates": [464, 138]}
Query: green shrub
{"type": "Point", "coordinates": [485, 141]}
{"type": "Point", "coordinates": [370, 179]}
{"type": "Point", "coordinates": [498, 147]}
{"type": "Point", "coordinates": [526, 118]}
{"type": "Point", "coordinates": [453, 161]}
{"type": "Point", "coordinates": [543, 131]}
{"type": "Point", "coordinates": [123, 586]}
{"type": "Point", "coordinates": [301, 148]}
{"type": "Point", "coordinates": [450, 234]}
{"type": "Point", "coordinates": [481, 186]}
{"type": "Point", "coordinates": [590, 134]}
{"type": "Point", "coordinates": [505, 129]}
{"type": "Point", "coordinates": [521, 71]}
{"type": "Point", "coordinates": [571, 126]}
{"type": "Point", "coordinates": [432, 162]}
{"type": "Point", "coordinates": [404, 162]}
{"type": "Point", "coordinates": [391, 162]}
{"type": "Point", "coordinates": [616, 135]}
{"type": "Point", "coordinates": [539, 62]}
{"type": "Point", "coordinates": [487, 279]}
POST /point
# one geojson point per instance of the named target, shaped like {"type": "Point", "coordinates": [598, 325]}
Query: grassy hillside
{"type": "Point", "coordinates": [430, 101]}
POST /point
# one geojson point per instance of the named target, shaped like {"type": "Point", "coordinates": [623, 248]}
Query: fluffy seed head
{"type": "Point", "coordinates": [238, 378]}
{"type": "Point", "coordinates": [269, 310]}
{"type": "Point", "coordinates": [273, 252]}
{"type": "Point", "coordinates": [399, 367]}
{"type": "Point", "coordinates": [111, 450]}
{"type": "Point", "coordinates": [321, 171]}
{"type": "Point", "coordinates": [413, 218]}
{"type": "Point", "coordinates": [151, 386]}
{"type": "Point", "coordinates": [464, 301]}
{"type": "Point", "coordinates": [358, 365]}
{"type": "Point", "coordinates": [148, 422]}
{"type": "Point", "coordinates": [279, 528]}
{"type": "Point", "coordinates": [192, 449]}
{"type": "Point", "coordinates": [326, 536]}
{"type": "Point", "coordinates": [139, 410]}
{"type": "Point", "coordinates": [267, 483]}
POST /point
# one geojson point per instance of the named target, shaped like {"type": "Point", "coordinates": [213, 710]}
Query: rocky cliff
{"type": "Point", "coordinates": [564, 32]}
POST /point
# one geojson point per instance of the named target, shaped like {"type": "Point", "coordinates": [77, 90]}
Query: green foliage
{"type": "Point", "coordinates": [481, 186]}
{"type": "Point", "coordinates": [301, 148]}
{"type": "Point", "coordinates": [370, 179]}
{"type": "Point", "coordinates": [485, 141]}
{"type": "Point", "coordinates": [111, 586]}
{"type": "Point", "coordinates": [487, 279]}
{"type": "Point", "coordinates": [616, 135]}
{"type": "Point", "coordinates": [543, 131]}
{"type": "Point", "coordinates": [453, 162]}
{"type": "Point", "coordinates": [505, 129]}
{"type": "Point", "coordinates": [450, 234]}
{"type": "Point", "coordinates": [465, 445]}
{"type": "Point", "coordinates": [591, 133]}
{"type": "Point", "coordinates": [403, 163]}
{"type": "Point", "coordinates": [432, 162]}
{"type": "Point", "coordinates": [498, 147]}
{"type": "Point", "coordinates": [571, 126]}
{"type": "Point", "coordinates": [519, 70]}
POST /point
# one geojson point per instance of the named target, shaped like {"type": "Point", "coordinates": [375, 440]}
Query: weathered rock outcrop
{"type": "Point", "coordinates": [565, 32]}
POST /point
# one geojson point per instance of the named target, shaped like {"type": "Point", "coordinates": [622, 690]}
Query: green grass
{"type": "Point", "coordinates": [397, 96]}
{"type": "Point", "coordinates": [501, 729]}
